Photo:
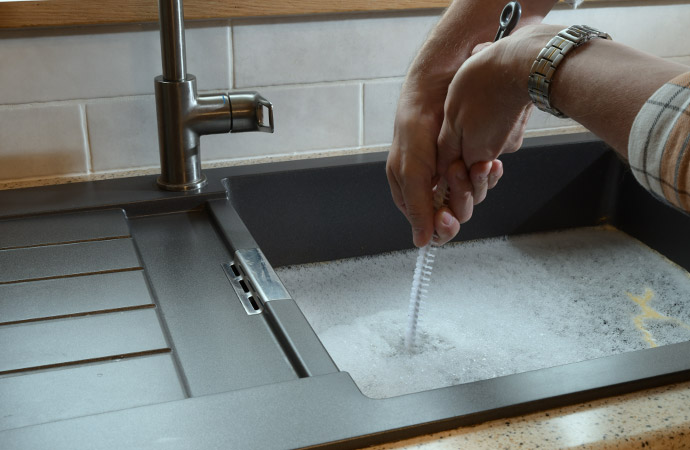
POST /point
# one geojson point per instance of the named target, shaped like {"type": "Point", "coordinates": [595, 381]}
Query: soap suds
{"type": "Point", "coordinates": [495, 307]}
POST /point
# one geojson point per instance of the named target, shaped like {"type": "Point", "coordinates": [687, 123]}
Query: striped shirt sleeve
{"type": "Point", "coordinates": [658, 145]}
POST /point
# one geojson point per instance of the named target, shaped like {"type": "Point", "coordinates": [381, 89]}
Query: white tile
{"type": "Point", "coordinates": [306, 118]}
{"type": "Point", "coordinates": [208, 55]}
{"type": "Point", "coordinates": [123, 133]}
{"type": "Point", "coordinates": [45, 65]}
{"type": "Point", "coordinates": [380, 102]}
{"type": "Point", "coordinates": [345, 47]}
{"type": "Point", "coordinates": [41, 141]}
{"type": "Point", "coordinates": [658, 29]}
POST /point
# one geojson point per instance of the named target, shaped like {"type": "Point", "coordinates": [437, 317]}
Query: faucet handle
{"type": "Point", "coordinates": [249, 112]}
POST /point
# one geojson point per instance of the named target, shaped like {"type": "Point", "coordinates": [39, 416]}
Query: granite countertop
{"type": "Point", "coordinates": [654, 418]}
{"type": "Point", "coordinates": [134, 172]}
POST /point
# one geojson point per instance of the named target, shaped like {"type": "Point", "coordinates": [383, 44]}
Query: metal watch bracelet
{"type": "Point", "coordinates": [548, 60]}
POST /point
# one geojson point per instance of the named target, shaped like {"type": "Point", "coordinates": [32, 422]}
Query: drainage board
{"type": "Point", "coordinates": [79, 329]}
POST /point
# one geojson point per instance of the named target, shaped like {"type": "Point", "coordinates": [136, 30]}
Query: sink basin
{"type": "Point", "coordinates": [141, 318]}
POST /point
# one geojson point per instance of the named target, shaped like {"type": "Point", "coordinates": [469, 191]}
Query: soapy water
{"type": "Point", "coordinates": [495, 307]}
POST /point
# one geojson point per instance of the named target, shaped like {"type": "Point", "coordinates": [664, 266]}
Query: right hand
{"type": "Point", "coordinates": [412, 166]}
{"type": "Point", "coordinates": [412, 169]}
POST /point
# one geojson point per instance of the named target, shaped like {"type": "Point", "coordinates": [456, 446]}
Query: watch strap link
{"type": "Point", "coordinates": [551, 56]}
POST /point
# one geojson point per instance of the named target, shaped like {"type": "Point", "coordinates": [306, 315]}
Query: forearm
{"type": "Point", "coordinates": [465, 24]}
{"type": "Point", "coordinates": [619, 80]}
{"type": "Point", "coordinates": [602, 84]}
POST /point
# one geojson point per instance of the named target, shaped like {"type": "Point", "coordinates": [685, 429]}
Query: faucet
{"type": "Point", "coordinates": [184, 116]}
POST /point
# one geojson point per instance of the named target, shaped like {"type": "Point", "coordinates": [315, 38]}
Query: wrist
{"type": "Point", "coordinates": [546, 66]}
{"type": "Point", "coordinates": [517, 53]}
{"type": "Point", "coordinates": [419, 108]}
{"type": "Point", "coordinates": [465, 24]}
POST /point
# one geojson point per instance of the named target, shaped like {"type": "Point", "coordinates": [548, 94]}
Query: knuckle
{"type": "Point", "coordinates": [464, 214]}
{"type": "Point", "coordinates": [416, 217]}
{"type": "Point", "coordinates": [480, 198]}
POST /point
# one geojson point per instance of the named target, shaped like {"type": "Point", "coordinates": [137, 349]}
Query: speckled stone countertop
{"type": "Point", "coordinates": [656, 418]}
{"type": "Point", "coordinates": [76, 178]}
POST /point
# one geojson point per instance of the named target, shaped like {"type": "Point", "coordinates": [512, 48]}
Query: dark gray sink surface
{"type": "Point", "coordinates": [136, 318]}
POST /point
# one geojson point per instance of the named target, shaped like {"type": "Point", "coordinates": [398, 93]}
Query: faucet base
{"type": "Point", "coordinates": [192, 186]}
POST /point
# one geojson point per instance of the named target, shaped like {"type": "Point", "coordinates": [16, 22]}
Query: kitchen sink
{"type": "Point", "coordinates": [136, 318]}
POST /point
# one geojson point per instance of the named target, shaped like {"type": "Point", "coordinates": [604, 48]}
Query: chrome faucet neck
{"type": "Point", "coordinates": [184, 116]}
{"type": "Point", "coordinates": [173, 56]}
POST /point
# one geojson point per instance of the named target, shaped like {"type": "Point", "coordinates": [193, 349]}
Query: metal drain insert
{"type": "Point", "coordinates": [243, 288]}
{"type": "Point", "coordinates": [254, 280]}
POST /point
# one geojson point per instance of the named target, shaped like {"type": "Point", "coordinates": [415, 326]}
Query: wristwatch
{"type": "Point", "coordinates": [544, 67]}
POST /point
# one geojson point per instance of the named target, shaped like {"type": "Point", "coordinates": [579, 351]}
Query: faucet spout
{"type": "Point", "coordinates": [173, 54]}
{"type": "Point", "coordinates": [184, 116]}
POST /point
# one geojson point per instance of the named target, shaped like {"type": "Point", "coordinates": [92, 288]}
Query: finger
{"type": "Point", "coordinates": [396, 192]}
{"type": "Point", "coordinates": [495, 173]}
{"type": "Point", "coordinates": [449, 146]}
{"type": "Point", "coordinates": [446, 225]}
{"type": "Point", "coordinates": [419, 209]}
{"type": "Point", "coordinates": [479, 175]}
{"type": "Point", "coordinates": [460, 200]}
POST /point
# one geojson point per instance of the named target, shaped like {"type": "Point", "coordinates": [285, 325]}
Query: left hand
{"type": "Point", "coordinates": [486, 112]}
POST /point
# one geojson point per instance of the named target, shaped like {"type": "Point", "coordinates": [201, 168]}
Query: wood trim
{"type": "Point", "coordinates": [51, 13]}
{"type": "Point", "coordinates": [48, 13]}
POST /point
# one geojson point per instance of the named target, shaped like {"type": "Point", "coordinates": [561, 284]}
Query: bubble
{"type": "Point", "coordinates": [495, 307]}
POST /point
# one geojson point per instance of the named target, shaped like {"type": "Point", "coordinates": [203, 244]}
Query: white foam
{"type": "Point", "coordinates": [495, 307]}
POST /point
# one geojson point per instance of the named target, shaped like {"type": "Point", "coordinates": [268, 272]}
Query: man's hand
{"type": "Point", "coordinates": [412, 167]}
{"type": "Point", "coordinates": [486, 110]}
{"type": "Point", "coordinates": [483, 119]}
{"type": "Point", "coordinates": [412, 171]}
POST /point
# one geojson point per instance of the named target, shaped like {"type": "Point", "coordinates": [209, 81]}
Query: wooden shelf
{"type": "Point", "coordinates": [51, 13]}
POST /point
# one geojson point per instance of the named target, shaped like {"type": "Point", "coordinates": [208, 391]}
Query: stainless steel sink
{"type": "Point", "coordinates": [136, 318]}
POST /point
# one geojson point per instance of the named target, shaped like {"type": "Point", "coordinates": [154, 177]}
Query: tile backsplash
{"type": "Point", "coordinates": [78, 102]}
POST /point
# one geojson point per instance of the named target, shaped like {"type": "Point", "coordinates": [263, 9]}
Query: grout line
{"type": "Point", "coordinates": [79, 314]}
{"type": "Point", "coordinates": [85, 101]}
{"type": "Point", "coordinates": [231, 56]}
{"type": "Point", "coordinates": [361, 114]}
{"type": "Point", "coordinates": [88, 154]}
{"type": "Point", "coordinates": [87, 361]}
{"type": "Point", "coordinates": [326, 83]}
